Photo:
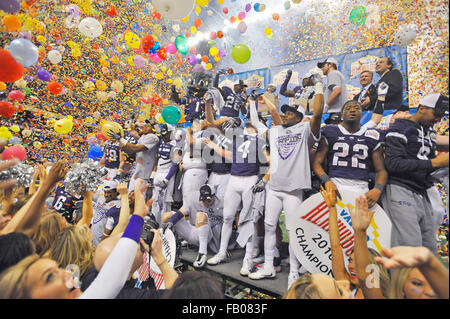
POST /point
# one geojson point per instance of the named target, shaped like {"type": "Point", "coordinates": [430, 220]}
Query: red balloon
{"type": "Point", "coordinates": [100, 136]}
{"type": "Point", "coordinates": [16, 95]}
{"type": "Point", "coordinates": [147, 42]}
{"type": "Point", "coordinates": [54, 88]}
{"type": "Point", "coordinates": [16, 151]}
{"type": "Point", "coordinates": [162, 53]}
{"type": "Point", "coordinates": [111, 11]}
{"type": "Point", "coordinates": [10, 69]}
{"type": "Point", "coordinates": [7, 109]}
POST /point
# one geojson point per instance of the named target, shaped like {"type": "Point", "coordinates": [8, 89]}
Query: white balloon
{"type": "Point", "coordinates": [54, 56]}
{"type": "Point", "coordinates": [90, 27]}
{"type": "Point", "coordinates": [174, 9]}
{"type": "Point", "coordinates": [405, 35]}
{"type": "Point", "coordinates": [176, 28]}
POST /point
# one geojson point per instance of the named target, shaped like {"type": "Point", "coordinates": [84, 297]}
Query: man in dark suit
{"type": "Point", "coordinates": [394, 79]}
{"type": "Point", "coordinates": [368, 95]}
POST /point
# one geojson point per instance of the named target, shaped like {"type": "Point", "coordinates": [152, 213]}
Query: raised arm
{"type": "Point", "coordinates": [432, 269]}
{"type": "Point", "coordinates": [318, 105]}
{"type": "Point", "coordinates": [88, 210]}
{"type": "Point", "coordinates": [29, 220]}
{"type": "Point", "coordinates": [283, 89]}
{"type": "Point", "coordinates": [276, 119]}
{"type": "Point", "coordinates": [222, 152]}
{"type": "Point", "coordinates": [361, 219]}
{"type": "Point", "coordinates": [337, 261]}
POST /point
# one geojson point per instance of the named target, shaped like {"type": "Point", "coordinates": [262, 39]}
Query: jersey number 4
{"type": "Point", "coordinates": [342, 149]}
{"type": "Point", "coordinates": [244, 148]}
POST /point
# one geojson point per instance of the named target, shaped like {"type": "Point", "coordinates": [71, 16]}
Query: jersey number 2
{"type": "Point", "coordinates": [343, 149]}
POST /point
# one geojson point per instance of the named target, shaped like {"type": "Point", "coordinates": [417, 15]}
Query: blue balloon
{"type": "Point", "coordinates": [24, 51]}
{"type": "Point", "coordinates": [256, 7]}
{"type": "Point", "coordinates": [156, 46]}
{"type": "Point", "coordinates": [95, 153]}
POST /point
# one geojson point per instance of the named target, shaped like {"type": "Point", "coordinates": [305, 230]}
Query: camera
{"type": "Point", "coordinates": [147, 234]}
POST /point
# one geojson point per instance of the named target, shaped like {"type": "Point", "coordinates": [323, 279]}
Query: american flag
{"type": "Point", "coordinates": [144, 271]}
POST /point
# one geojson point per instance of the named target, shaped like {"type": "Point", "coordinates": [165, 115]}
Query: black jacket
{"type": "Point", "coordinates": [409, 150]}
{"type": "Point", "coordinates": [394, 96]}
{"type": "Point", "coordinates": [372, 94]}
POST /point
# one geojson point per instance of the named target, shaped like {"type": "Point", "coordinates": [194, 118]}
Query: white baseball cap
{"type": "Point", "coordinates": [436, 101]}
{"type": "Point", "coordinates": [109, 185]}
{"type": "Point", "coordinates": [332, 60]}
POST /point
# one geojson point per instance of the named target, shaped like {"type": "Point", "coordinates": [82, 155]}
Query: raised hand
{"type": "Point", "coordinates": [329, 197]}
{"type": "Point", "coordinates": [140, 207]}
{"type": "Point", "coordinates": [382, 89]}
{"type": "Point", "coordinates": [404, 256]}
{"type": "Point", "coordinates": [57, 172]}
{"type": "Point", "coordinates": [361, 216]}
{"type": "Point", "coordinates": [122, 189]}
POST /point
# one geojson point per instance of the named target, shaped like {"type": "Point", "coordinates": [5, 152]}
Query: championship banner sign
{"type": "Point", "coordinates": [309, 236]}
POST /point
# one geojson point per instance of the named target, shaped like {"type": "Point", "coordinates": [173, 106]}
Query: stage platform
{"type": "Point", "coordinates": [230, 271]}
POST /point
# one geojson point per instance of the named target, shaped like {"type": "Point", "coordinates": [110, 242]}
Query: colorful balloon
{"type": "Point", "coordinates": [171, 115]}
{"type": "Point", "coordinates": [181, 44]}
{"type": "Point", "coordinates": [16, 151]}
{"type": "Point", "coordinates": [241, 53]}
{"type": "Point", "coordinates": [24, 51]}
{"type": "Point", "coordinates": [90, 27]}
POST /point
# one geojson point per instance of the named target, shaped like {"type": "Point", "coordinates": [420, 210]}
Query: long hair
{"type": "Point", "coordinates": [13, 279]}
{"type": "Point", "coordinates": [303, 288]}
{"type": "Point", "coordinates": [385, 279]}
{"type": "Point", "coordinates": [399, 277]}
{"type": "Point", "coordinates": [73, 246]}
{"type": "Point", "coordinates": [13, 248]}
{"type": "Point", "coordinates": [47, 230]}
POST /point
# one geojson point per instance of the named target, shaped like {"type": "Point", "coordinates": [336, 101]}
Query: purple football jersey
{"type": "Point", "coordinates": [194, 108]}
{"type": "Point", "coordinates": [233, 102]}
{"type": "Point", "coordinates": [248, 153]}
{"type": "Point", "coordinates": [112, 155]}
{"type": "Point", "coordinates": [219, 164]}
{"type": "Point", "coordinates": [350, 155]}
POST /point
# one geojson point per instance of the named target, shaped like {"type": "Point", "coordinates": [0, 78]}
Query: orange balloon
{"type": "Point", "coordinates": [233, 19]}
{"type": "Point", "coordinates": [276, 16]}
{"type": "Point", "coordinates": [219, 34]}
{"type": "Point", "coordinates": [198, 22]}
{"type": "Point", "coordinates": [11, 22]}
{"type": "Point", "coordinates": [205, 59]}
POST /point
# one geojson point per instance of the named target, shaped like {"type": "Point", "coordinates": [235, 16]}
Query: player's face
{"type": "Point", "coordinates": [290, 118]}
{"type": "Point", "coordinates": [429, 118]}
{"type": "Point", "coordinates": [365, 78]}
{"type": "Point", "coordinates": [326, 68]}
{"type": "Point", "coordinates": [352, 112]}
{"type": "Point", "coordinates": [208, 202]}
{"type": "Point", "coordinates": [238, 88]}
{"type": "Point", "coordinates": [110, 195]}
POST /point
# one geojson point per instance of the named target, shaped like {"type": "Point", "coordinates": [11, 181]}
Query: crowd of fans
{"type": "Point", "coordinates": [223, 182]}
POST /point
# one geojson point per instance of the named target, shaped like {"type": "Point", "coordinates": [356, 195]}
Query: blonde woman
{"type": "Point", "coordinates": [51, 224]}
{"type": "Point", "coordinates": [35, 277]}
{"type": "Point", "coordinates": [421, 274]}
{"type": "Point", "coordinates": [73, 245]}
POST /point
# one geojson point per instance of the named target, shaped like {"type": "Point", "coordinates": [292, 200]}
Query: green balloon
{"type": "Point", "coordinates": [171, 115]}
{"type": "Point", "coordinates": [358, 15]}
{"type": "Point", "coordinates": [181, 44]}
{"type": "Point", "coordinates": [241, 53]}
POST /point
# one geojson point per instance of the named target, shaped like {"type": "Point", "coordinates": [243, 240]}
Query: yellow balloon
{"type": "Point", "coordinates": [41, 39]}
{"type": "Point", "coordinates": [5, 133]}
{"type": "Point", "coordinates": [76, 53]}
{"type": "Point", "coordinates": [220, 1]}
{"type": "Point", "coordinates": [89, 86]}
{"type": "Point", "coordinates": [15, 128]}
{"type": "Point", "coordinates": [37, 144]}
{"type": "Point", "coordinates": [217, 58]}
{"type": "Point", "coordinates": [169, 73]}
{"type": "Point", "coordinates": [198, 10]}
{"type": "Point", "coordinates": [111, 126]}
{"type": "Point", "coordinates": [101, 85]}
{"type": "Point", "coordinates": [63, 126]}
{"type": "Point", "coordinates": [130, 61]}
{"type": "Point", "coordinates": [2, 86]}
{"type": "Point", "coordinates": [202, 3]}
{"type": "Point", "coordinates": [268, 31]}
{"type": "Point", "coordinates": [163, 69]}
{"type": "Point", "coordinates": [193, 29]}
{"type": "Point", "coordinates": [213, 51]}
{"type": "Point", "coordinates": [185, 19]}
{"type": "Point", "coordinates": [159, 76]}
{"type": "Point", "coordinates": [177, 82]}
{"type": "Point", "coordinates": [132, 40]}
{"type": "Point", "coordinates": [209, 66]}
